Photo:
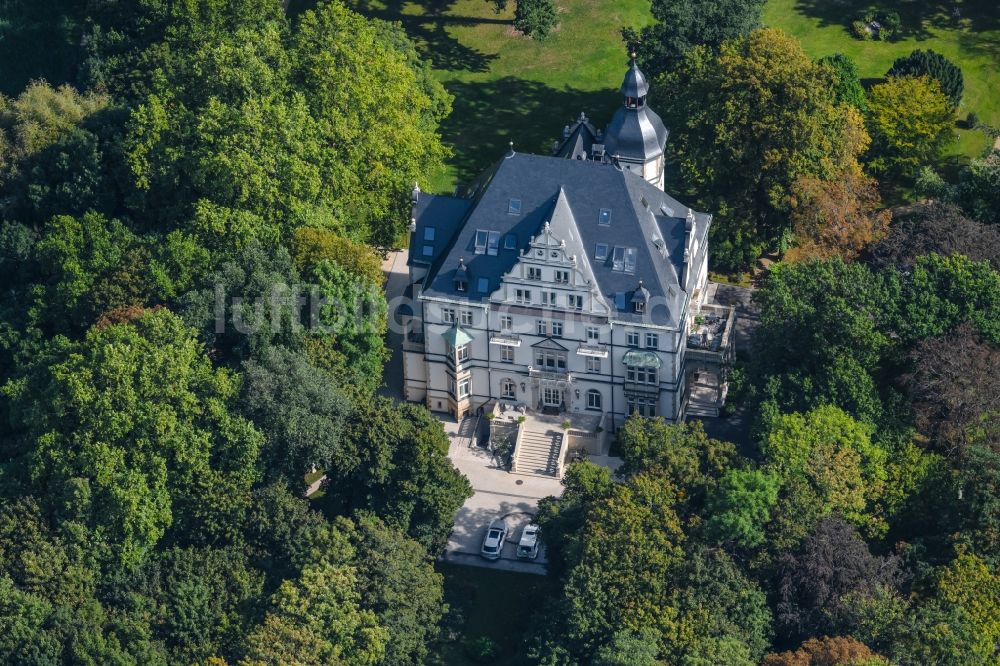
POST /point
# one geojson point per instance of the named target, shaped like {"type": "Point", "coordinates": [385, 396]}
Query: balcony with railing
{"type": "Point", "coordinates": [711, 334]}
{"type": "Point", "coordinates": [505, 339]}
{"type": "Point", "coordinates": [550, 374]}
{"type": "Point", "coordinates": [592, 350]}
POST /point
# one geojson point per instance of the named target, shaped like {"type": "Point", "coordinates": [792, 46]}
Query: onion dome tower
{"type": "Point", "coordinates": [636, 137]}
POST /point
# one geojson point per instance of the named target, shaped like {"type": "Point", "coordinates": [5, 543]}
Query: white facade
{"type": "Point", "coordinates": [546, 339]}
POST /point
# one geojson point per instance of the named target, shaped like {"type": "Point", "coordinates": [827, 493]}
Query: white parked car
{"type": "Point", "coordinates": [527, 547]}
{"type": "Point", "coordinates": [496, 534]}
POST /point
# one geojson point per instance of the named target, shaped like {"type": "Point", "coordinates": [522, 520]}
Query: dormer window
{"type": "Point", "coordinates": [461, 285]}
{"type": "Point", "coordinates": [604, 217]}
{"type": "Point", "coordinates": [639, 306]}
{"type": "Point", "coordinates": [514, 206]}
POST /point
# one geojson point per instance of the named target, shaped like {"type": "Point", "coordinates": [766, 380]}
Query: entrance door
{"type": "Point", "coordinates": [552, 397]}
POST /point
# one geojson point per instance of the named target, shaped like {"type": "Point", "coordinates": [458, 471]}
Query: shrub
{"type": "Point", "coordinates": [890, 23]}
{"type": "Point", "coordinates": [861, 30]}
{"type": "Point", "coordinates": [972, 120]}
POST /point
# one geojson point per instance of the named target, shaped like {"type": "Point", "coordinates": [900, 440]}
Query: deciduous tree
{"type": "Point", "coordinates": [130, 433]}
{"type": "Point", "coordinates": [680, 26]}
{"type": "Point", "coordinates": [847, 88]}
{"type": "Point", "coordinates": [911, 122]}
{"type": "Point", "coordinates": [746, 123]}
{"type": "Point", "coordinates": [934, 65]}
{"type": "Point", "coordinates": [836, 217]}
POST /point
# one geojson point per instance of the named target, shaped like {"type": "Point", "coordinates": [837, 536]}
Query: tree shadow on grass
{"type": "Point", "coordinates": [917, 16]}
{"type": "Point", "coordinates": [486, 116]}
{"type": "Point", "coordinates": [427, 29]}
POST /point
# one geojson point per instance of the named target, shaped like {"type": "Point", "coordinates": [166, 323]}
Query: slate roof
{"type": "Point", "coordinates": [570, 194]}
{"type": "Point", "coordinates": [444, 215]}
{"type": "Point", "coordinates": [635, 84]}
{"type": "Point", "coordinates": [638, 134]}
{"type": "Point", "coordinates": [580, 141]}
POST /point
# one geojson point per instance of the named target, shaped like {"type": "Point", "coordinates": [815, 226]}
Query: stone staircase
{"type": "Point", "coordinates": [538, 453]}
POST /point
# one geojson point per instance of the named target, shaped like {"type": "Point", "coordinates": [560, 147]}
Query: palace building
{"type": "Point", "coordinates": [568, 283]}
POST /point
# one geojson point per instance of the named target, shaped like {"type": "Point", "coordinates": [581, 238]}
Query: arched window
{"type": "Point", "coordinates": [507, 389]}
{"type": "Point", "coordinates": [593, 399]}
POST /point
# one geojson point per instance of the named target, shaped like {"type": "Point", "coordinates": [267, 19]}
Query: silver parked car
{"type": "Point", "coordinates": [527, 547]}
{"type": "Point", "coordinates": [496, 534]}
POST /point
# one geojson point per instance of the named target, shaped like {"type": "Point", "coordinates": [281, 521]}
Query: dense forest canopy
{"type": "Point", "coordinates": [167, 167]}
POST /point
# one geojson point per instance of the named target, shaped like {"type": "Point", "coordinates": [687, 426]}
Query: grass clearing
{"type": "Point", "coordinates": [971, 41]}
{"type": "Point", "coordinates": [493, 603]}
{"type": "Point", "coordinates": [508, 87]}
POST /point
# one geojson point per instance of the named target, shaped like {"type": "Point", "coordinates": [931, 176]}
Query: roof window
{"type": "Point", "coordinates": [483, 285]}
{"type": "Point", "coordinates": [428, 250]}
{"type": "Point", "coordinates": [514, 206]}
{"type": "Point", "coordinates": [604, 218]}
{"type": "Point", "coordinates": [428, 233]}
{"type": "Point", "coordinates": [623, 259]}
{"type": "Point", "coordinates": [601, 252]}
{"type": "Point", "coordinates": [493, 243]}
{"type": "Point", "coordinates": [510, 242]}
{"type": "Point", "coordinates": [481, 237]}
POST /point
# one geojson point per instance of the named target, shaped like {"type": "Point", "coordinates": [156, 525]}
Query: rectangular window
{"type": "Point", "coordinates": [541, 328]}
{"type": "Point", "coordinates": [593, 364]}
{"type": "Point", "coordinates": [645, 406]}
{"type": "Point", "coordinates": [550, 360]}
{"type": "Point", "coordinates": [652, 341]}
{"type": "Point", "coordinates": [514, 206]}
{"type": "Point", "coordinates": [448, 315]}
{"type": "Point", "coordinates": [641, 375]}
{"type": "Point", "coordinates": [482, 236]}
{"type": "Point", "coordinates": [549, 298]}
{"type": "Point", "coordinates": [630, 259]}
{"type": "Point", "coordinates": [428, 233]}
{"type": "Point", "coordinates": [601, 252]}
{"type": "Point", "coordinates": [557, 329]}
{"type": "Point", "coordinates": [522, 296]}
{"type": "Point", "coordinates": [493, 243]}
{"type": "Point", "coordinates": [484, 285]}
{"type": "Point", "coordinates": [534, 273]}
{"type": "Point", "coordinates": [510, 242]}
{"type": "Point", "coordinates": [506, 354]}
{"type": "Point", "coordinates": [464, 387]}
{"type": "Point", "coordinates": [574, 301]}
{"type": "Point", "coordinates": [462, 353]}
{"type": "Point", "coordinates": [506, 323]}
{"type": "Point", "coordinates": [604, 218]}
{"type": "Point", "coordinates": [428, 250]}
{"type": "Point", "coordinates": [593, 399]}
{"type": "Point", "coordinates": [562, 277]}
{"type": "Point", "coordinates": [618, 258]}
{"type": "Point", "coordinates": [593, 334]}
{"type": "Point", "coordinates": [632, 339]}
{"type": "Point", "coordinates": [466, 317]}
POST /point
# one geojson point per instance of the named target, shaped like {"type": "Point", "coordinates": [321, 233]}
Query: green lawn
{"type": "Point", "coordinates": [972, 42]}
{"type": "Point", "coordinates": [498, 604]}
{"type": "Point", "coordinates": [510, 88]}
